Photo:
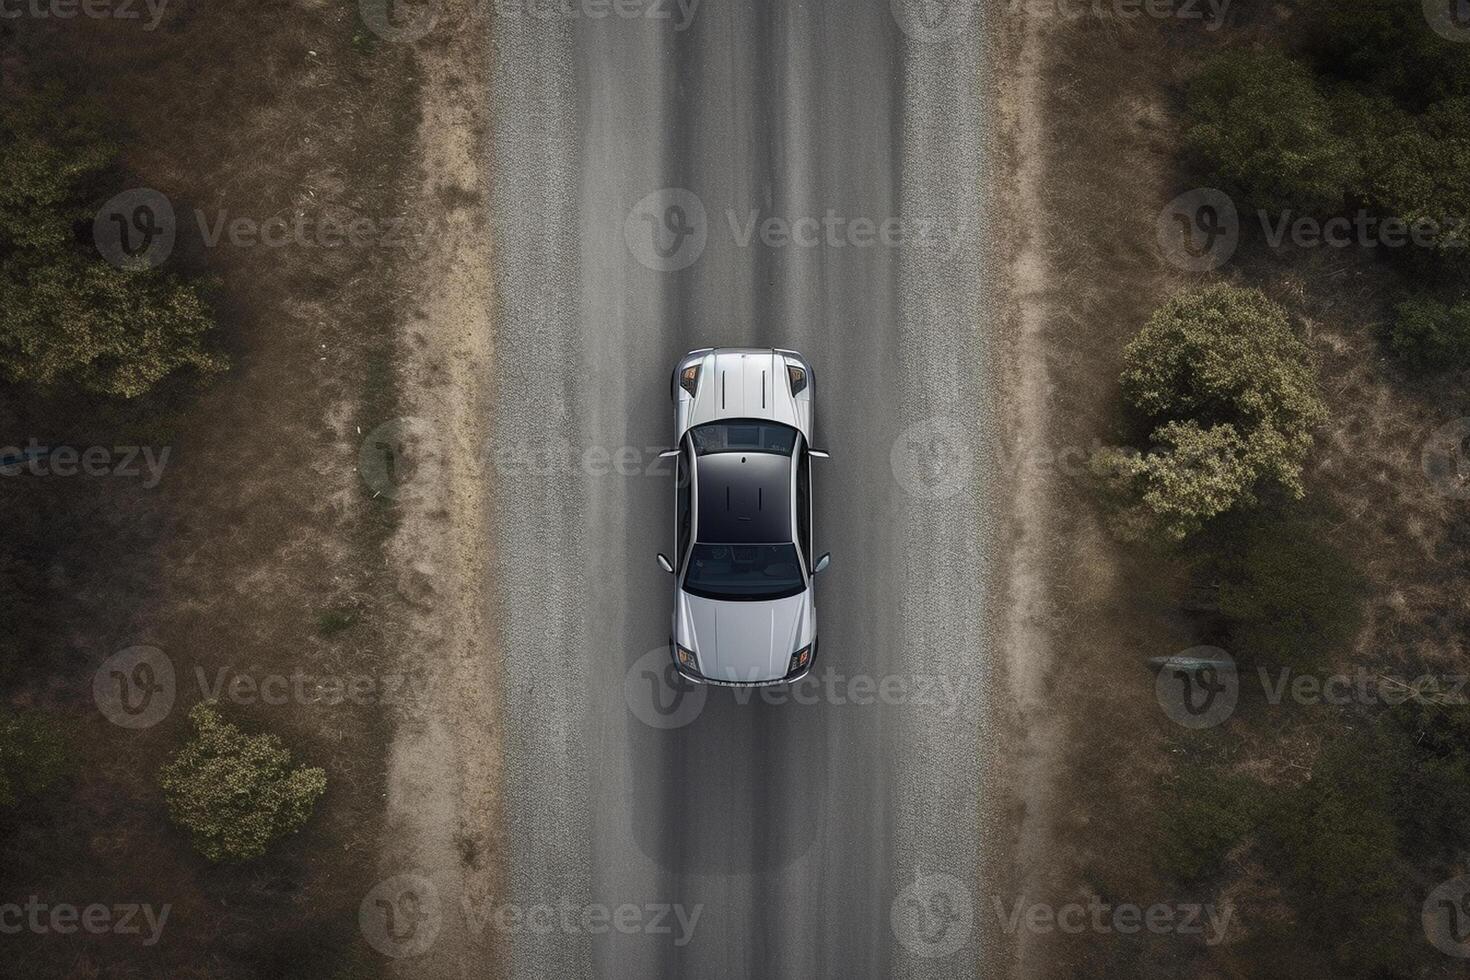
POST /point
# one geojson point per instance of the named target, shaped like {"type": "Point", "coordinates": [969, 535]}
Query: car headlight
{"type": "Point", "coordinates": [797, 375]}
{"type": "Point", "coordinates": [686, 658]}
{"type": "Point", "coordinates": [689, 378]}
{"type": "Point", "coordinates": [800, 659]}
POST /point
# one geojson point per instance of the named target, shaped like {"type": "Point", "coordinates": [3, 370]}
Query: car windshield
{"type": "Point", "coordinates": [744, 571]}
{"type": "Point", "coordinates": [743, 435]}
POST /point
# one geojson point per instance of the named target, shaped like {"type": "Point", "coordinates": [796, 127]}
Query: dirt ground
{"type": "Point", "coordinates": [442, 835]}
{"type": "Point", "coordinates": [1093, 110]}
{"type": "Point", "coordinates": [1083, 100]}
{"type": "Point", "coordinates": [261, 552]}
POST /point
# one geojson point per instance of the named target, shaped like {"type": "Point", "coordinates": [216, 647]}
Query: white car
{"type": "Point", "coordinates": [745, 608]}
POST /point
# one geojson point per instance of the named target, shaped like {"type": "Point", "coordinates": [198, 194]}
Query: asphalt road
{"type": "Point", "coordinates": [837, 832]}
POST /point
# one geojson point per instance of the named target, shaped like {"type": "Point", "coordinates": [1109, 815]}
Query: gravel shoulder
{"type": "Point", "coordinates": [442, 852]}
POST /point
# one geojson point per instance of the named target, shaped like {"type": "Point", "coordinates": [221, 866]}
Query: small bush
{"type": "Point", "coordinates": [1205, 813]}
{"type": "Point", "coordinates": [1229, 394]}
{"type": "Point", "coordinates": [1288, 596]}
{"type": "Point", "coordinates": [33, 756]}
{"type": "Point", "coordinates": [1428, 335]}
{"type": "Point", "coordinates": [1262, 128]}
{"type": "Point", "coordinates": [66, 316]}
{"type": "Point", "coordinates": [236, 793]}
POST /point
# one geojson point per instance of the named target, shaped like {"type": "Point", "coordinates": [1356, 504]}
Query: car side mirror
{"type": "Point", "coordinates": [665, 564]}
{"type": "Point", "coordinates": [668, 454]}
{"type": "Point", "coordinates": [819, 453]}
{"type": "Point", "coordinates": [822, 563]}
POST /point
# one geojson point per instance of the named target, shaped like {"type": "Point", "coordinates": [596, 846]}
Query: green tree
{"type": "Point", "coordinates": [236, 793]}
{"type": "Point", "coordinates": [1384, 46]}
{"type": "Point", "coordinates": [1416, 168]}
{"type": "Point", "coordinates": [66, 316]}
{"type": "Point", "coordinates": [33, 756]}
{"type": "Point", "coordinates": [1228, 392]}
{"type": "Point", "coordinates": [1428, 335]}
{"type": "Point", "coordinates": [1260, 125]}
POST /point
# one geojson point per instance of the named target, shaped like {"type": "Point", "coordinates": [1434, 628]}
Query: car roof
{"type": "Point", "coordinates": [744, 498]}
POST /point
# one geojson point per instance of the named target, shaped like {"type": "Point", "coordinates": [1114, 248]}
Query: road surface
{"type": "Point", "coordinates": [801, 175]}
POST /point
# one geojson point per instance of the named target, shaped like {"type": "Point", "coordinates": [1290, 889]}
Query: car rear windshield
{"type": "Point", "coordinates": [744, 571]}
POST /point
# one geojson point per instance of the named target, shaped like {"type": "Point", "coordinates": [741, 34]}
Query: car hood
{"type": "Point", "coordinates": [742, 641]}
{"type": "Point", "coordinates": [746, 384]}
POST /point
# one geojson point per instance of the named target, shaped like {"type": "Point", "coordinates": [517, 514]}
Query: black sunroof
{"type": "Point", "coordinates": [744, 498]}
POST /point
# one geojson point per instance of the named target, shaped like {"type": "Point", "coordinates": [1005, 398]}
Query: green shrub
{"type": "Point", "coordinates": [1386, 46]}
{"type": "Point", "coordinates": [1416, 168]}
{"type": "Point", "coordinates": [1289, 597]}
{"type": "Point", "coordinates": [1229, 394]}
{"type": "Point", "coordinates": [1259, 124]}
{"type": "Point", "coordinates": [1335, 843]}
{"type": "Point", "coordinates": [66, 316]}
{"type": "Point", "coordinates": [1430, 760]}
{"type": "Point", "coordinates": [236, 793]}
{"type": "Point", "coordinates": [1205, 813]}
{"type": "Point", "coordinates": [33, 756]}
{"type": "Point", "coordinates": [1428, 335]}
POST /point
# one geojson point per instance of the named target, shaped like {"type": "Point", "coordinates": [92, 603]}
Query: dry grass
{"type": "Point", "coordinates": [1112, 126]}
{"type": "Point", "coordinates": [261, 526]}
